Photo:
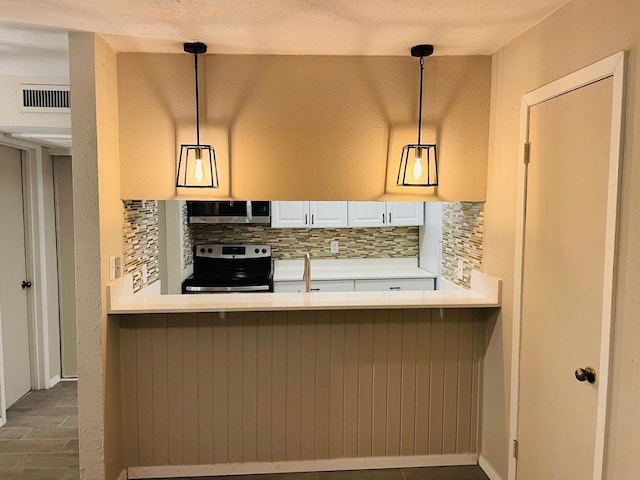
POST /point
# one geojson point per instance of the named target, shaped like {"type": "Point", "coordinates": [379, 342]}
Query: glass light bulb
{"type": "Point", "coordinates": [417, 168]}
{"type": "Point", "coordinates": [198, 171]}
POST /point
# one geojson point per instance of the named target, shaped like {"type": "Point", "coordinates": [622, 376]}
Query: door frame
{"type": "Point", "coordinates": [609, 67]}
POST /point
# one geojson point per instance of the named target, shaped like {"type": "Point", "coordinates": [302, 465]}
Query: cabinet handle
{"type": "Point", "coordinates": [306, 219]}
{"type": "Point", "coordinates": [395, 288]}
{"type": "Point", "coordinates": [312, 219]}
{"type": "Point", "coordinates": [383, 218]}
{"type": "Point", "coordinates": [390, 218]}
{"type": "Point", "coordinates": [315, 289]}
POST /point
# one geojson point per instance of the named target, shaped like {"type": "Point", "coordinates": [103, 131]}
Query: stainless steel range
{"type": "Point", "coordinates": [225, 268]}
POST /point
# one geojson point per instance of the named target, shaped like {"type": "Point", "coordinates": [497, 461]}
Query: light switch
{"type": "Point", "coordinates": [334, 246]}
{"type": "Point", "coordinates": [460, 269]}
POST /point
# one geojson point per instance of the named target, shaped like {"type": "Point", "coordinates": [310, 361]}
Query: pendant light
{"type": "Point", "coordinates": [419, 162]}
{"type": "Point", "coordinates": [197, 165]}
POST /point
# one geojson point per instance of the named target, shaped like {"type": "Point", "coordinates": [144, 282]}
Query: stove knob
{"type": "Point", "coordinates": [210, 250]}
{"type": "Point", "coordinates": [202, 250]}
{"type": "Point", "coordinates": [264, 250]}
{"type": "Point", "coordinates": [257, 250]}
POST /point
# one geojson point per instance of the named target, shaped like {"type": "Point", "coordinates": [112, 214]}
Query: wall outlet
{"type": "Point", "coordinates": [115, 269]}
{"type": "Point", "coordinates": [145, 273]}
{"type": "Point", "coordinates": [334, 246]}
{"type": "Point", "coordinates": [460, 269]}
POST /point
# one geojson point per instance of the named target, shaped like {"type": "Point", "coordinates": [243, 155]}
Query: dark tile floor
{"type": "Point", "coordinates": [40, 439]}
{"type": "Point", "coordinates": [426, 473]}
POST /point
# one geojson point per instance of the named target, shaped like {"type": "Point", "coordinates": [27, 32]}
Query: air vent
{"type": "Point", "coordinates": [45, 98]}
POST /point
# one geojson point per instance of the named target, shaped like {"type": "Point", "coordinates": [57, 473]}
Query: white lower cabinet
{"type": "Point", "coordinates": [379, 285]}
{"type": "Point", "coordinates": [289, 287]}
{"type": "Point", "coordinates": [332, 286]}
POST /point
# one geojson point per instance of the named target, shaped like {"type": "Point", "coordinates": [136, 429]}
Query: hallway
{"type": "Point", "coordinates": [40, 439]}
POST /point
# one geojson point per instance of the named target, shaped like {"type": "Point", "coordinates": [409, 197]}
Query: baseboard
{"type": "Point", "coordinates": [371, 463]}
{"type": "Point", "coordinates": [54, 381]}
{"type": "Point", "coordinates": [488, 469]}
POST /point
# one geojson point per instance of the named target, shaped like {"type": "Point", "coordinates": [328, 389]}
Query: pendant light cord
{"type": "Point", "coordinates": [195, 56]}
{"type": "Point", "coordinates": [420, 114]}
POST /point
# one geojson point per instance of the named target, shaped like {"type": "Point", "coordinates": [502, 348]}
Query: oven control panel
{"type": "Point", "coordinates": [235, 251]}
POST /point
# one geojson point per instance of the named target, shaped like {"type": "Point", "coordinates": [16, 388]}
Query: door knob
{"type": "Point", "coordinates": [586, 374]}
{"type": "Point", "coordinates": [26, 284]}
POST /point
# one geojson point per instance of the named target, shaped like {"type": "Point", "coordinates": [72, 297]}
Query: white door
{"type": "Point", "coordinates": [63, 190]}
{"type": "Point", "coordinates": [13, 298]}
{"type": "Point", "coordinates": [403, 214]}
{"type": "Point", "coordinates": [328, 214]}
{"type": "Point", "coordinates": [367, 214]}
{"type": "Point", "coordinates": [563, 280]}
{"type": "Point", "coordinates": [290, 214]}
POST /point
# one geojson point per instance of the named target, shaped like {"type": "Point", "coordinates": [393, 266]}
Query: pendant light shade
{"type": "Point", "coordinates": [419, 161]}
{"type": "Point", "coordinates": [197, 163]}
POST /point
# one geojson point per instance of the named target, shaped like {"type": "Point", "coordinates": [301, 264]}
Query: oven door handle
{"type": "Point", "coordinates": [245, 288]}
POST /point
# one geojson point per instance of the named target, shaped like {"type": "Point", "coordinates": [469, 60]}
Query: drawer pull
{"type": "Point", "coordinates": [315, 289]}
{"type": "Point", "coordinates": [395, 288]}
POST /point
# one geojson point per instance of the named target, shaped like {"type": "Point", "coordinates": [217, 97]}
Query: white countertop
{"type": "Point", "coordinates": [350, 269]}
{"type": "Point", "coordinates": [485, 292]}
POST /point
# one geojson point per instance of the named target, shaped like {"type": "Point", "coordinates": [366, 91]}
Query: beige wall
{"type": "Point", "coordinates": [580, 33]}
{"type": "Point", "coordinates": [98, 234]}
{"type": "Point", "coordinates": [303, 127]}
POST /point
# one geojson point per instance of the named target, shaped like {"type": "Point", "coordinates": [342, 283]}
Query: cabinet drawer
{"type": "Point", "coordinates": [288, 287]}
{"type": "Point", "coordinates": [395, 284]}
{"type": "Point", "coordinates": [332, 286]}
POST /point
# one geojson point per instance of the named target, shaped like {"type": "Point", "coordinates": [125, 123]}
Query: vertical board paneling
{"type": "Point", "coordinates": [205, 387]}
{"type": "Point", "coordinates": [380, 372]}
{"type": "Point", "coordinates": [408, 407]}
{"type": "Point", "coordinates": [337, 374]}
{"type": "Point", "coordinates": [308, 384]}
{"type": "Point", "coordinates": [465, 380]}
{"type": "Point", "coordinates": [351, 386]}
{"type": "Point", "coordinates": [234, 385]}
{"type": "Point", "coordinates": [365, 385]}
{"type": "Point", "coordinates": [394, 384]}
{"type": "Point", "coordinates": [436, 382]}
{"type": "Point", "coordinates": [190, 388]}
{"type": "Point", "coordinates": [176, 390]}
{"type": "Point", "coordinates": [160, 378]}
{"type": "Point", "coordinates": [294, 382]}
{"type": "Point", "coordinates": [279, 388]}
{"type": "Point", "coordinates": [423, 381]}
{"type": "Point", "coordinates": [144, 359]}
{"type": "Point", "coordinates": [220, 334]}
{"type": "Point", "coordinates": [264, 409]}
{"type": "Point", "coordinates": [286, 386]}
{"type": "Point", "coordinates": [323, 383]}
{"type": "Point", "coordinates": [249, 388]}
{"type": "Point", "coordinates": [128, 351]}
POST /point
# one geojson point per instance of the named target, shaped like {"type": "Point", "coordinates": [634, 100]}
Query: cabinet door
{"type": "Point", "coordinates": [328, 214]}
{"type": "Point", "coordinates": [405, 213]}
{"type": "Point", "coordinates": [289, 287]}
{"type": "Point", "coordinates": [367, 214]}
{"type": "Point", "coordinates": [397, 284]}
{"type": "Point", "coordinates": [290, 214]}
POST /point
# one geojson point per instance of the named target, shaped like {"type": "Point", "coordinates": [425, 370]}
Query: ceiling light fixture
{"type": "Point", "coordinates": [197, 165]}
{"type": "Point", "coordinates": [419, 162]}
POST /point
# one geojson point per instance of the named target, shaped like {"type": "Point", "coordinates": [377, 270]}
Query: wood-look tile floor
{"type": "Point", "coordinates": [424, 473]}
{"type": "Point", "coordinates": [40, 439]}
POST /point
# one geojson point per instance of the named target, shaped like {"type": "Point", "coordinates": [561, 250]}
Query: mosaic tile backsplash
{"type": "Point", "coordinates": [293, 243]}
{"type": "Point", "coordinates": [462, 237]}
{"type": "Point", "coordinates": [140, 231]}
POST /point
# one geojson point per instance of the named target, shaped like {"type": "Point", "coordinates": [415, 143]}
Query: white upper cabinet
{"type": "Point", "coordinates": [367, 214]}
{"type": "Point", "coordinates": [386, 214]}
{"type": "Point", "coordinates": [328, 214]}
{"type": "Point", "coordinates": [400, 214]}
{"type": "Point", "coordinates": [309, 214]}
{"type": "Point", "coordinates": [290, 214]}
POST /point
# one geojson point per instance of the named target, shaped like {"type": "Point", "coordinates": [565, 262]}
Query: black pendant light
{"type": "Point", "coordinates": [197, 165]}
{"type": "Point", "coordinates": [419, 162]}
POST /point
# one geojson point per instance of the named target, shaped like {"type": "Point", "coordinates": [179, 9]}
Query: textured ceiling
{"type": "Point", "coordinates": [299, 27]}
